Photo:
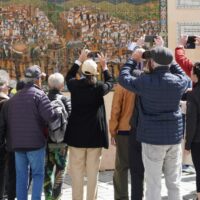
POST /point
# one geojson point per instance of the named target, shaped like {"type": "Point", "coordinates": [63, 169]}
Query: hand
{"type": "Point", "coordinates": [137, 54]}
{"type": "Point", "coordinates": [103, 61]}
{"type": "Point", "coordinates": [112, 140]}
{"type": "Point", "coordinates": [198, 40]}
{"type": "Point", "coordinates": [188, 90]}
{"type": "Point", "coordinates": [83, 55]}
{"type": "Point", "coordinates": [186, 152]}
{"type": "Point", "coordinates": [140, 41]}
{"type": "Point", "coordinates": [159, 41]}
{"type": "Point", "coordinates": [183, 40]}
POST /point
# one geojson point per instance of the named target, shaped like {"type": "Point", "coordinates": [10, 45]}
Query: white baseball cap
{"type": "Point", "coordinates": [89, 67]}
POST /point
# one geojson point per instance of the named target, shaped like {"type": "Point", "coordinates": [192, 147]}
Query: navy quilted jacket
{"type": "Point", "coordinates": [159, 94]}
{"type": "Point", "coordinates": [28, 113]}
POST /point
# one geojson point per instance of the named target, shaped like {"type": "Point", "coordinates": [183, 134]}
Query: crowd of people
{"type": "Point", "coordinates": [104, 32]}
{"type": "Point", "coordinates": [26, 36]}
{"type": "Point", "coordinates": [146, 126]}
{"type": "Point", "coordinates": [24, 24]}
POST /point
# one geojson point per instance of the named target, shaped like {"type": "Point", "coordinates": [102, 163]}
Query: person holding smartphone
{"type": "Point", "coordinates": [87, 132]}
{"type": "Point", "coordinates": [185, 63]}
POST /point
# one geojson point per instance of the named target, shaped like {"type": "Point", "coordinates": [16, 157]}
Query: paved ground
{"type": "Point", "coordinates": [105, 187]}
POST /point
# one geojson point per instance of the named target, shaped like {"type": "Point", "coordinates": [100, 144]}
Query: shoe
{"type": "Point", "coordinates": [188, 169]}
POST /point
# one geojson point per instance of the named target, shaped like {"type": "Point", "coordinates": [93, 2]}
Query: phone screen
{"type": "Point", "coordinates": [191, 42]}
{"type": "Point", "coordinates": [94, 55]}
{"type": "Point", "coordinates": [150, 38]}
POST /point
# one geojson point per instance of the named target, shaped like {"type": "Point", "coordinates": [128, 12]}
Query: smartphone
{"type": "Point", "coordinates": [191, 42]}
{"type": "Point", "coordinates": [150, 38]}
{"type": "Point", "coordinates": [94, 55]}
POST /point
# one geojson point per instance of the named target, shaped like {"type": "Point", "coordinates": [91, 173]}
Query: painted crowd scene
{"type": "Point", "coordinates": [51, 33]}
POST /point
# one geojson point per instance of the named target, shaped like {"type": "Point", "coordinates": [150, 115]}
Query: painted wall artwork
{"type": "Point", "coordinates": [51, 33]}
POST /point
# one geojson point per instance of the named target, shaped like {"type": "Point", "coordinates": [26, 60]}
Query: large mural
{"type": "Point", "coordinates": [51, 33]}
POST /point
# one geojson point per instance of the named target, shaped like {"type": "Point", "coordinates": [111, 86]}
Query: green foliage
{"type": "Point", "coordinates": [37, 3]}
{"type": "Point", "coordinates": [52, 11]}
{"type": "Point", "coordinates": [124, 11]}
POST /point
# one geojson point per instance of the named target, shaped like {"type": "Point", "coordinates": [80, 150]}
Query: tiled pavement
{"type": "Point", "coordinates": [105, 187]}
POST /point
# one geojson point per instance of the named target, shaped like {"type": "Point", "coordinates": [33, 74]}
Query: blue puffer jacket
{"type": "Point", "coordinates": [28, 112]}
{"type": "Point", "coordinates": [159, 94]}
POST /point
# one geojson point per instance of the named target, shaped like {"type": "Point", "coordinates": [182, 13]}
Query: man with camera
{"type": "Point", "coordinates": [160, 120]}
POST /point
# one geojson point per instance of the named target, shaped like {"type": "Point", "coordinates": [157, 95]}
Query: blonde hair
{"type": "Point", "coordinates": [56, 81]}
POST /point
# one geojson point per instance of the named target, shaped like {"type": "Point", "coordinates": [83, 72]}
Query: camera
{"type": "Point", "coordinates": [150, 38]}
{"type": "Point", "coordinates": [191, 42]}
{"type": "Point", "coordinates": [146, 55]}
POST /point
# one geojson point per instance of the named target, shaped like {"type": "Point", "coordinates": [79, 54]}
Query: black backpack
{"type": "Point", "coordinates": [58, 127]}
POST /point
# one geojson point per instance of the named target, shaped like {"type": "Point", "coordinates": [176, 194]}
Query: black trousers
{"type": "Point", "coordinates": [7, 175]}
{"type": "Point", "coordinates": [195, 149]}
{"type": "Point", "coordinates": [136, 167]}
{"type": "Point", "coordinates": [11, 176]}
{"type": "Point", "coordinates": [2, 171]}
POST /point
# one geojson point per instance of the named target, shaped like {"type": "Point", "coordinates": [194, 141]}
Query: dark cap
{"type": "Point", "coordinates": [34, 72]}
{"type": "Point", "coordinates": [162, 55]}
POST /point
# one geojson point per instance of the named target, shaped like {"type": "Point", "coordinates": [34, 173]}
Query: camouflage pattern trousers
{"type": "Point", "coordinates": [54, 172]}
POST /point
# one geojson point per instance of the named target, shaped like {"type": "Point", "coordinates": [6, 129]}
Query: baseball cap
{"type": "Point", "coordinates": [160, 55]}
{"type": "Point", "coordinates": [89, 67]}
{"type": "Point", "coordinates": [34, 72]}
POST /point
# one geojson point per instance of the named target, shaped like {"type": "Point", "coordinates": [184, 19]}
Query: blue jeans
{"type": "Point", "coordinates": [36, 160]}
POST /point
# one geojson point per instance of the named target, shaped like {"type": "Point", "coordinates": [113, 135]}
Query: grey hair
{"type": "Point", "coordinates": [4, 78]}
{"type": "Point", "coordinates": [56, 81]}
{"type": "Point", "coordinates": [30, 80]}
{"type": "Point", "coordinates": [12, 83]}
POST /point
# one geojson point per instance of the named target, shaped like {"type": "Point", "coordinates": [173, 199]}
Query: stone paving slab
{"type": "Point", "coordinates": [105, 187]}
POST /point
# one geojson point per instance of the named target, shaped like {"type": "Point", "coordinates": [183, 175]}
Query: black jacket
{"type": "Point", "coordinates": [3, 127]}
{"type": "Point", "coordinates": [53, 94]}
{"type": "Point", "coordinates": [87, 126]}
{"type": "Point", "coordinates": [193, 117]}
